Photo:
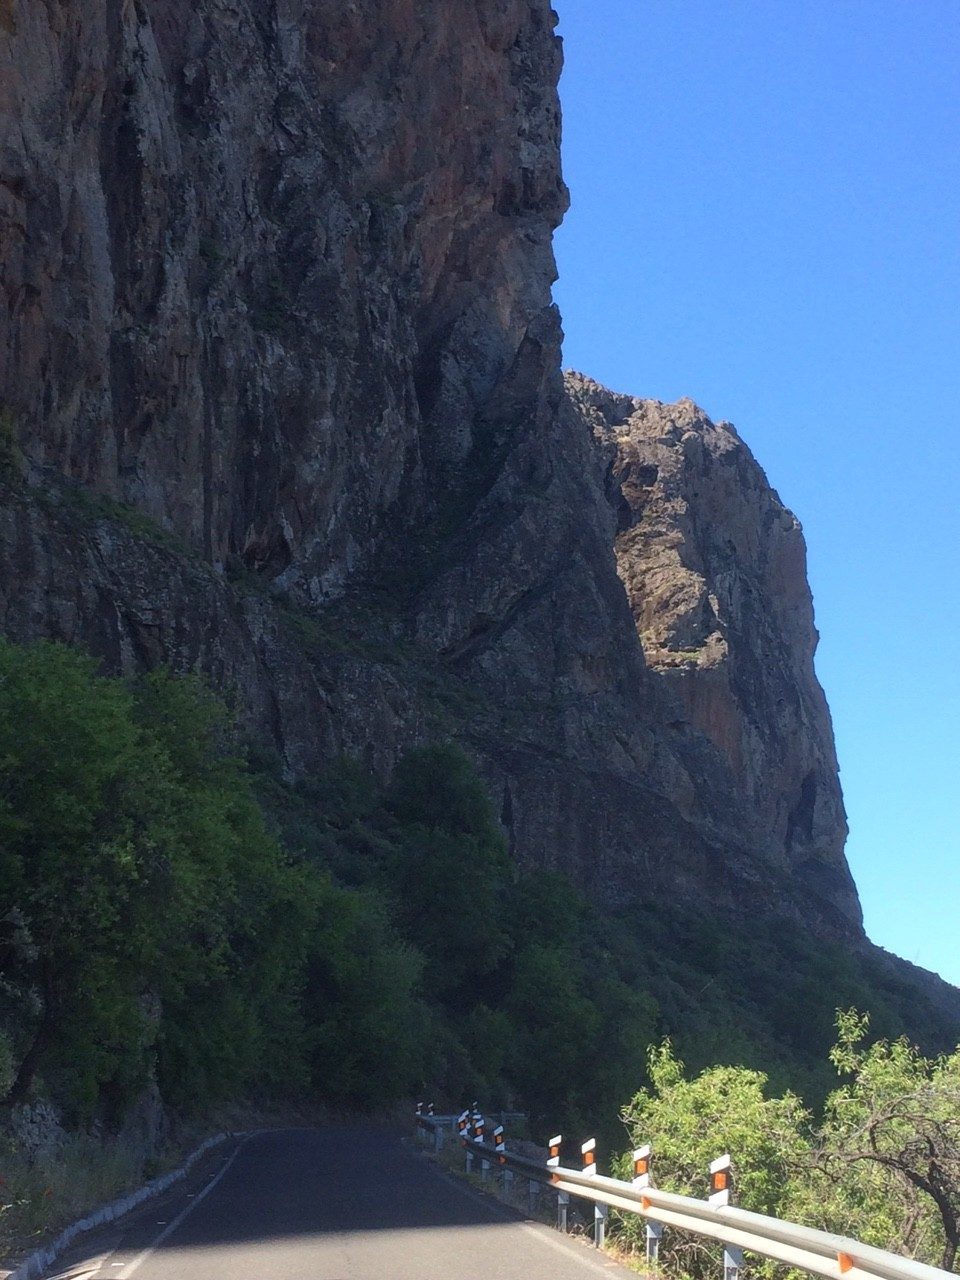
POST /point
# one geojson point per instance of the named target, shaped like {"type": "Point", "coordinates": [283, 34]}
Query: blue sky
{"type": "Point", "coordinates": [766, 217]}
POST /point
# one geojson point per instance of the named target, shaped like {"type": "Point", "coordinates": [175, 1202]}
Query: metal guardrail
{"type": "Point", "coordinates": [818, 1252]}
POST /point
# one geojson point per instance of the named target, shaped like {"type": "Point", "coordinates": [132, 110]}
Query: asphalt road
{"type": "Point", "coordinates": [328, 1204]}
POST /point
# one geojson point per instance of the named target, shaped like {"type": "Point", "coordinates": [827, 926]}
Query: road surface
{"type": "Point", "coordinates": [345, 1203]}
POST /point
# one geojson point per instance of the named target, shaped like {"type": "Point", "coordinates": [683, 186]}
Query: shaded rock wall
{"type": "Point", "coordinates": [264, 263]}
{"type": "Point", "coordinates": [277, 341]}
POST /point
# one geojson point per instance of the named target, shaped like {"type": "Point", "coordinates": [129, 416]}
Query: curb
{"type": "Point", "coordinates": [40, 1259]}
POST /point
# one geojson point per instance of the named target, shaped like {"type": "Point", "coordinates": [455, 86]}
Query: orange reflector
{"type": "Point", "coordinates": [589, 1158]}
{"type": "Point", "coordinates": [846, 1263]}
{"type": "Point", "coordinates": [718, 1181]}
{"type": "Point", "coordinates": [644, 1203]}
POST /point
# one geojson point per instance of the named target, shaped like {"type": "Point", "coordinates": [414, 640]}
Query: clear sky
{"type": "Point", "coordinates": [766, 217]}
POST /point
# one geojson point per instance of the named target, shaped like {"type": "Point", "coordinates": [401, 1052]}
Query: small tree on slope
{"type": "Point", "coordinates": [898, 1112]}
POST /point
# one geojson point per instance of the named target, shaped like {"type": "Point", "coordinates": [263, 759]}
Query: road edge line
{"type": "Point", "coordinates": [168, 1230]}
{"type": "Point", "coordinates": [35, 1263]}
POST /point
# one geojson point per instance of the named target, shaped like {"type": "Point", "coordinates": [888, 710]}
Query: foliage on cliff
{"type": "Point", "coordinates": [146, 913]}
{"type": "Point", "coordinates": [882, 1164]}
{"type": "Point", "coordinates": [380, 943]}
{"type": "Point", "coordinates": [507, 988]}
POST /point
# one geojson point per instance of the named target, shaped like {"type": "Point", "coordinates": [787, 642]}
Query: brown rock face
{"type": "Point", "coordinates": [277, 341]}
{"type": "Point", "coordinates": [715, 571]}
{"type": "Point", "coordinates": [265, 264]}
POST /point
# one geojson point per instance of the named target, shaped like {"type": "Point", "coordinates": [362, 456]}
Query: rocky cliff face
{"type": "Point", "coordinates": [266, 265]}
{"type": "Point", "coordinates": [278, 349]}
{"type": "Point", "coordinates": [715, 571]}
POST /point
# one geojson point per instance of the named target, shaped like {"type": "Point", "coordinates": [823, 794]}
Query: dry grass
{"type": "Point", "coordinates": [57, 1186]}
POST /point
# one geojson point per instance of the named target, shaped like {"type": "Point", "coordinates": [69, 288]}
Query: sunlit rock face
{"type": "Point", "coordinates": [714, 568]}
{"type": "Point", "coordinates": [276, 278]}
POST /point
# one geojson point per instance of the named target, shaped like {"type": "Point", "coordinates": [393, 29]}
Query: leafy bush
{"type": "Point", "coordinates": [691, 1122]}
{"type": "Point", "coordinates": [882, 1166]}
{"type": "Point", "coordinates": [145, 907]}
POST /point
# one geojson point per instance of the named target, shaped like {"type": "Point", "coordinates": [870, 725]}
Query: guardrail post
{"type": "Point", "coordinates": [467, 1135]}
{"type": "Point", "coordinates": [732, 1262]}
{"type": "Point", "coordinates": [721, 1182]}
{"type": "Point", "coordinates": [563, 1204]}
{"type": "Point", "coordinates": [721, 1189]}
{"type": "Point", "coordinates": [641, 1167]}
{"type": "Point", "coordinates": [507, 1174]}
{"type": "Point", "coordinates": [642, 1160]}
{"type": "Point", "coordinates": [533, 1196]}
{"type": "Point", "coordinates": [654, 1234]}
{"type": "Point", "coordinates": [563, 1198]}
{"type": "Point", "coordinates": [478, 1128]}
{"type": "Point", "coordinates": [589, 1153]}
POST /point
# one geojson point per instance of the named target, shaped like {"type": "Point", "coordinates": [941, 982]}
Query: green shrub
{"type": "Point", "coordinates": [153, 912]}
{"type": "Point", "coordinates": [882, 1166]}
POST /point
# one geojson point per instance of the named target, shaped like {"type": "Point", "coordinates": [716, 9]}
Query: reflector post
{"type": "Point", "coordinates": [721, 1181]}
{"type": "Point", "coordinates": [641, 1166]}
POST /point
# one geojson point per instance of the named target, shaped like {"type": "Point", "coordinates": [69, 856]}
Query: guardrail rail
{"type": "Point", "coordinates": [716, 1218]}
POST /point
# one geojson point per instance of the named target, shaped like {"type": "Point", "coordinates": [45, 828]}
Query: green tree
{"type": "Point", "coordinates": [371, 1038]}
{"type": "Point", "coordinates": [449, 875]}
{"type": "Point", "coordinates": [555, 1037]}
{"type": "Point", "coordinates": [145, 908]}
{"type": "Point", "coordinates": [890, 1144]}
{"type": "Point", "coordinates": [72, 858]}
{"type": "Point", "coordinates": [691, 1122]}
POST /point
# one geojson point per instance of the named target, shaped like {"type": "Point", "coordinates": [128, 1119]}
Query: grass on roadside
{"type": "Point", "coordinates": [38, 1195]}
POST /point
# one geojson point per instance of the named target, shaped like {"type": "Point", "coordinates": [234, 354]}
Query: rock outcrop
{"type": "Point", "coordinates": [281, 402]}
{"type": "Point", "coordinates": [715, 571]}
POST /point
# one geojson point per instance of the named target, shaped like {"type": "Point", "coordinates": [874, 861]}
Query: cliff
{"type": "Point", "coordinates": [280, 374]}
{"type": "Point", "coordinates": [714, 568]}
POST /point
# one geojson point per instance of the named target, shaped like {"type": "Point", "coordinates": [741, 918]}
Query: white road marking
{"type": "Point", "coordinates": [141, 1258]}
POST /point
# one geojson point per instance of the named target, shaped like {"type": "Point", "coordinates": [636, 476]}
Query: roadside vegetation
{"type": "Point", "coordinates": [178, 918]}
{"type": "Point", "coordinates": [174, 918]}
{"type": "Point", "coordinates": [881, 1162]}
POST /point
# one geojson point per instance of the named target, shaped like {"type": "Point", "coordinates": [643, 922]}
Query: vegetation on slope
{"type": "Point", "coordinates": [881, 1164]}
{"type": "Point", "coordinates": [376, 943]}
{"type": "Point", "coordinates": [149, 921]}
{"type": "Point", "coordinates": [170, 912]}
